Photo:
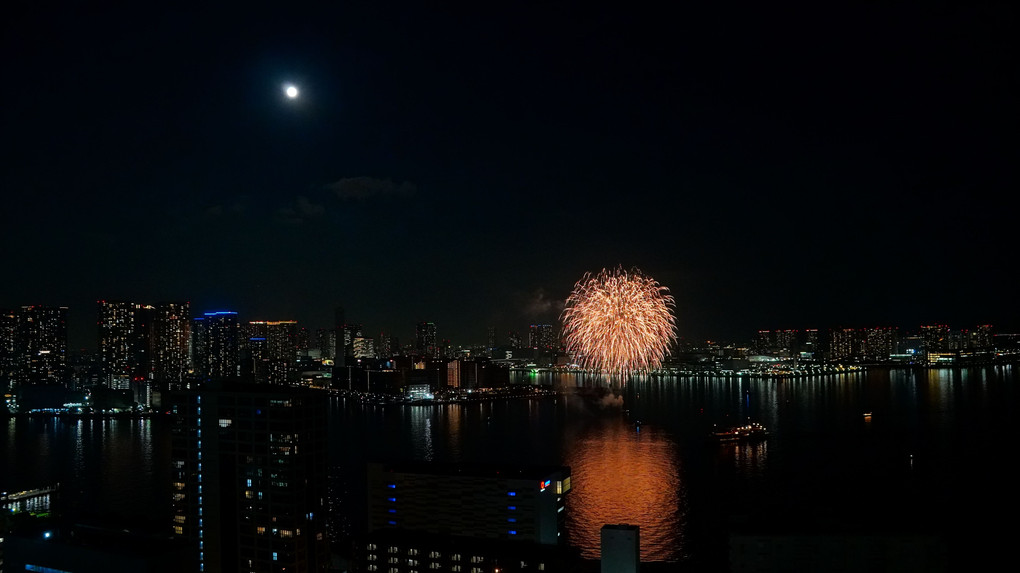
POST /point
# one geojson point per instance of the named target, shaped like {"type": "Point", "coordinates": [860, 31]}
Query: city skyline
{"type": "Point", "coordinates": [771, 167]}
{"type": "Point", "coordinates": [175, 332]}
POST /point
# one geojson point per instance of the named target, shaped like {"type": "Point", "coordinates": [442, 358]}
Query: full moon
{"type": "Point", "coordinates": [291, 91]}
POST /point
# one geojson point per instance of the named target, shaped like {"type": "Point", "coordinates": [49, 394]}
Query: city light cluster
{"type": "Point", "coordinates": [619, 322]}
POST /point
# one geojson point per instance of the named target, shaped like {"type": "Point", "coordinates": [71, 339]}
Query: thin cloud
{"type": "Point", "coordinates": [369, 187]}
{"type": "Point", "coordinates": [302, 210]}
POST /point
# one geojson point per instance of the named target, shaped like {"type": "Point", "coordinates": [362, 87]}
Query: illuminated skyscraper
{"type": "Point", "coordinates": [363, 347]}
{"type": "Point", "coordinates": [249, 477]}
{"type": "Point", "coordinates": [171, 342]}
{"type": "Point", "coordinates": [327, 342]}
{"type": "Point", "coordinates": [271, 350]}
{"type": "Point", "coordinates": [880, 343]}
{"type": "Point", "coordinates": [8, 345]}
{"type": "Point", "coordinates": [982, 337]}
{"type": "Point", "coordinates": [845, 344]}
{"type": "Point", "coordinates": [542, 336]}
{"type": "Point", "coordinates": [217, 350]}
{"type": "Point", "coordinates": [124, 342]}
{"type": "Point", "coordinates": [40, 343]}
{"type": "Point", "coordinates": [425, 339]}
{"type": "Point", "coordinates": [935, 338]}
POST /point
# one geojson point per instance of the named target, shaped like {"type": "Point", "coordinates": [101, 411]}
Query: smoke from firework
{"type": "Point", "coordinates": [619, 322]}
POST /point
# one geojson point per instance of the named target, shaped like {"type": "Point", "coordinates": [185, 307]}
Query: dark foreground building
{"type": "Point", "coordinates": [250, 478]}
{"type": "Point", "coordinates": [427, 517]}
{"type": "Point", "coordinates": [83, 549]}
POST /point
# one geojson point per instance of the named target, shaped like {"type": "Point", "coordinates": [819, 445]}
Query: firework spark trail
{"type": "Point", "coordinates": [619, 323]}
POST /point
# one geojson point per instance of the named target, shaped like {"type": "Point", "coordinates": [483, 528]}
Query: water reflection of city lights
{"type": "Point", "coordinates": [646, 480]}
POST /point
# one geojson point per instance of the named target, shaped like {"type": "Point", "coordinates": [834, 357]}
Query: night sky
{"type": "Point", "coordinates": [775, 167]}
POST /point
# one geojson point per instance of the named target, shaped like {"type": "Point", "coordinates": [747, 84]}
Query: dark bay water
{"type": "Point", "coordinates": [935, 457]}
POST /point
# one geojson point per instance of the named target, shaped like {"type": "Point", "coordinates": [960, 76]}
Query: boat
{"type": "Point", "coordinates": [751, 432]}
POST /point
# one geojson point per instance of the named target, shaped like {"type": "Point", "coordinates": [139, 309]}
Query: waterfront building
{"type": "Point", "coordinates": [880, 343]}
{"type": "Point", "coordinates": [982, 337]}
{"type": "Point", "coordinates": [39, 343]}
{"type": "Point", "coordinates": [124, 342]}
{"type": "Point", "coordinates": [8, 345]}
{"type": "Point", "coordinates": [216, 337]}
{"type": "Point", "coordinates": [171, 343]}
{"type": "Point", "coordinates": [424, 516]}
{"type": "Point", "coordinates": [935, 338]}
{"type": "Point", "coordinates": [845, 344]}
{"type": "Point", "coordinates": [249, 470]}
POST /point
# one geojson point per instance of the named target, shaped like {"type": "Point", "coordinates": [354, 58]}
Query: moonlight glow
{"type": "Point", "coordinates": [619, 322]}
{"type": "Point", "coordinates": [291, 91]}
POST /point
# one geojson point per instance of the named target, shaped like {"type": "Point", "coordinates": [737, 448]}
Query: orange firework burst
{"type": "Point", "coordinates": [619, 322]}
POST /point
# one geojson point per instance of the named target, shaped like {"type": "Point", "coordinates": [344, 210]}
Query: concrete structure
{"type": "Point", "coordinates": [621, 548]}
{"type": "Point", "coordinates": [249, 470]}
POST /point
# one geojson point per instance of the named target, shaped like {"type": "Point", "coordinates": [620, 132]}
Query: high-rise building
{"type": "Point", "coordinates": [880, 343]}
{"type": "Point", "coordinates": [363, 347]}
{"type": "Point", "coordinates": [8, 347]}
{"type": "Point", "coordinates": [425, 340]}
{"type": "Point", "coordinates": [350, 332]}
{"type": "Point", "coordinates": [846, 344]}
{"type": "Point", "coordinates": [453, 374]}
{"type": "Point", "coordinates": [249, 470]}
{"type": "Point", "coordinates": [339, 320]}
{"type": "Point", "coordinates": [40, 343]}
{"type": "Point", "coordinates": [982, 337]}
{"type": "Point", "coordinates": [542, 336]}
{"type": "Point", "coordinates": [124, 342]}
{"type": "Point", "coordinates": [171, 343]}
{"type": "Point", "coordinates": [384, 346]}
{"type": "Point", "coordinates": [270, 351]}
{"type": "Point", "coordinates": [327, 343]}
{"type": "Point", "coordinates": [935, 337]}
{"type": "Point", "coordinates": [217, 344]}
